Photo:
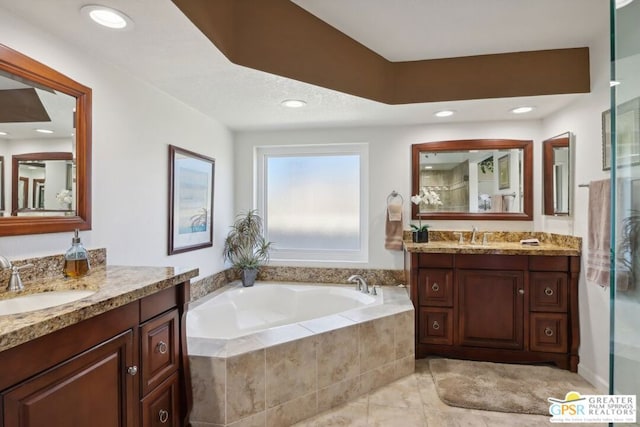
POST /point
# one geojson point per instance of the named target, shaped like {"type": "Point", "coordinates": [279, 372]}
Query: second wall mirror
{"type": "Point", "coordinates": [486, 179]}
{"type": "Point", "coordinates": [556, 159]}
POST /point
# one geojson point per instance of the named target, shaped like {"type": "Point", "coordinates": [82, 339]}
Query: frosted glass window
{"type": "Point", "coordinates": [313, 204]}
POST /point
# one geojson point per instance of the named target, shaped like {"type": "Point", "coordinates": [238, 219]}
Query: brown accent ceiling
{"type": "Point", "coordinates": [279, 37]}
{"type": "Point", "coordinates": [21, 105]}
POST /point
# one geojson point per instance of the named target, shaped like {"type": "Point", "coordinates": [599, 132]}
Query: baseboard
{"type": "Point", "coordinates": [598, 382]}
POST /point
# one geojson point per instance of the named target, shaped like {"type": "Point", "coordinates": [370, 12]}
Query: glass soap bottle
{"type": "Point", "coordinates": [76, 260]}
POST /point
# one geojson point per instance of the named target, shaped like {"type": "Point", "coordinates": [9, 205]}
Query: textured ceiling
{"type": "Point", "coordinates": [167, 51]}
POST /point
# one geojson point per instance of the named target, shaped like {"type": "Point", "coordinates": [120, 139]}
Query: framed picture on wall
{"type": "Point", "coordinates": [191, 178]}
{"type": "Point", "coordinates": [627, 135]}
{"type": "Point", "coordinates": [503, 172]}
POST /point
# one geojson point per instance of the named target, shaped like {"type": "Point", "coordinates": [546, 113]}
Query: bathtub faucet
{"type": "Point", "coordinates": [361, 284]}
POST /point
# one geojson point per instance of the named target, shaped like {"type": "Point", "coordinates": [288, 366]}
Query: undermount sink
{"type": "Point", "coordinates": [39, 301]}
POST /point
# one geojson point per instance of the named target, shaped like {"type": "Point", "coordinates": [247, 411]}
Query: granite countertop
{"type": "Point", "coordinates": [500, 243]}
{"type": "Point", "coordinates": [115, 286]}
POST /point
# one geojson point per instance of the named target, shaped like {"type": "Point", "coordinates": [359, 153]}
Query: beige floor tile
{"type": "Point", "coordinates": [387, 416]}
{"type": "Point", "coordinates": [503, 419]}
{"type": "Point", "coordinates": [399, 394]}
{"type": "Point", "coordinates": [352, 415]}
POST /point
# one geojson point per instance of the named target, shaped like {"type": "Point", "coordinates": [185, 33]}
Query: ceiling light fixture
{"type": "Point", "coordinates": [522, 110]}
{"type": "Point", "coordinates": [622, 3]}
{"type": "Point", "coordinates": [3, 133]}
{"type": "Point", "coordinates": [107, 17]}
{"type": "Point", "coordinates": [44, 130]}
{"type": "Point", "coordinates": [444, 113]}
{"type": "Point", "coordinates": [613, 83]}
{"type": "Point", "coordinates": [293, 103]}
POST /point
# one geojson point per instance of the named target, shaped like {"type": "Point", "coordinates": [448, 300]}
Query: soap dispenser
{"type": "Point", "coordinates": [76, 260]}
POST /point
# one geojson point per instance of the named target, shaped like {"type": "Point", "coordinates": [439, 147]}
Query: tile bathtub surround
{"type": "Point", "coordinates": [290, 380]}
{"type": "Point", "coordinates": [50, 266]}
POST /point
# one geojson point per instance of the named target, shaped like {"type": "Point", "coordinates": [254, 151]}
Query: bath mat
{"type": "Point", "coordinates": [522, 389]}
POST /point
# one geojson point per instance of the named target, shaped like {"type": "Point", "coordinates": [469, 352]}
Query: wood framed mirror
{"type": "Point", "coordinates": [556, 160]}
{"type": "Point", "coordinates": [35, 99]}
{"type": "Point", "coordinates": [478, 179]}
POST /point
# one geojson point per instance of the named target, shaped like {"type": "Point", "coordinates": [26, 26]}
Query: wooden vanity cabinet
{"type": "Point", "coordinates": [121, 368]}
{"type": "Point", "coordinates": [503, 308]}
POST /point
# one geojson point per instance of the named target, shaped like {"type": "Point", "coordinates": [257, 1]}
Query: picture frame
{"type": "Point", "coordinates": [191, 190]}
{"type": "Point", "coordinates": [627, 135]}
{"type": "Point", "coordinates": [503, 172]}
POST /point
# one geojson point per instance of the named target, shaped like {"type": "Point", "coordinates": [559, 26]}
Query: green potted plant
{"type": "Point", "coordinates": [245, 247]}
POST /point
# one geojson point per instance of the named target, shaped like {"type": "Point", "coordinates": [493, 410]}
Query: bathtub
{"type": "Point", "coordinates": [277, 353]}
{"type": "Point", "coordinates": [242, 311]}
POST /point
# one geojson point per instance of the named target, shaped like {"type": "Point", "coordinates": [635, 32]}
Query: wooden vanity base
{"type": "Point", "coordinates": [499, 308]}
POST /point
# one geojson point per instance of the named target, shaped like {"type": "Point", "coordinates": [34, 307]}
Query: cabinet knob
{"type": "Point", "coordinates": [548, 291]}
{"type": "Point", "coordinates": [132, 370]}
{"type": "Point", "coordinates": [548, 332]}
{"type": "Point", "coordinates": [161, 347]}
{"type": "Point", "coordinates": [521, 291]}
{"type": "Point", "coordinates": [436, 325]}
{"type": "Point", "coordinates": [163, 415]}
{"type": "Point", "coordinates": [435, 287]}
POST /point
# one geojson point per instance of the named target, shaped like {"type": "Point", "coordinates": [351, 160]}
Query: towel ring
{"type": "Point", "coordinates": [393, 195]}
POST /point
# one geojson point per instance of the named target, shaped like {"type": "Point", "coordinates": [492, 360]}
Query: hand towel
{"type": "Point", "coordinates": [393, 227]}
{"type": "Point", "coordinates": [599, 234]}
{"type": "Point", "coordinates": [496, 203]}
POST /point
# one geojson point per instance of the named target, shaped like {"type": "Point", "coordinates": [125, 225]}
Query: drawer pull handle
{"type": "Point", "coordinates": [436, 325]}
{"type": "Point", "coordinates": [161, 347]}
{"type": "Point", "coordinates": [521, 291]}
{"type": "Point", "coordinates": [435, 287]}
{"type": "Point", "coordinates": [548, 332]}
{"type": "Point", "coordinates": [548, 291]}
{"type": "Point", "coordinates": [132, 370]}
{"type": "Point", "coordinates": [163, 415]}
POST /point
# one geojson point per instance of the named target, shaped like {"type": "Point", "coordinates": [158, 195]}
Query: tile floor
{"type": "Point", "coordinates": [413, 401]}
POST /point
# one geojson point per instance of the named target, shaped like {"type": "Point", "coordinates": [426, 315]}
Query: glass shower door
{"type": "Point", "coordinates": [624, 162]}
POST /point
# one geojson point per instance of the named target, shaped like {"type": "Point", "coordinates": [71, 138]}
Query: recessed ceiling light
{"type": "Point", "coordinates": [622, 3]}
{"type": "Point", "coordinates": [521, 110]}
{"type": "Point", "coordinates": [107, 17]}
{"type": "Point", "coordinates": [613, 83]}
{"type": "Point", "coordinates": [293, 103]}
{"type": "Point", "coordinates": [444, 113]}
{"type": "Point", "coordinates": [428, 167]}
{"type": "Point", "coordinates": [44, 130]}
{"type": "Point", "coordinates": [3, 133]}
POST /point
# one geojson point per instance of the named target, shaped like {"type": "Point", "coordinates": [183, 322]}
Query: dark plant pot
{"type": "Point", "coordinates": [421, 236]}
{"type": "Point", "coordinates": [249, 276]}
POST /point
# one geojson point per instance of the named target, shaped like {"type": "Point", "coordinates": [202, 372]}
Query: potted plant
{"type": "Point", "coordinates": [245, 246]}
{"type": "Point", "coordinates": [425, 197]}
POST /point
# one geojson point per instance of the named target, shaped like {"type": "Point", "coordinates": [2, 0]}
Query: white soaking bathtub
{"type": "Point", "coordinates": [242, 311]}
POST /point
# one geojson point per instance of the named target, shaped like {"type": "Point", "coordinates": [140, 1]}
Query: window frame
{"type": "Point", "coordinates": [319, 256]}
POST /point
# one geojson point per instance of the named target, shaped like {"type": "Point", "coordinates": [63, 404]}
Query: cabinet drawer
{"type": "Point", "coordinates": [548, 332]}
{"type": "Point", "coordinates": [548, 263]}
{"type": "Point", "coordinates": [435, 260]}
{"type": "Point", "coordinates": [160, 408]}
{"type": "Point", "coordinates": [159, 349]}
{"type": "Point", "coordinates": [548, 291]}
{"type": "Point", "coordinates": [436, 326]}
{"type": "Point", "coordinates": [435, 287]}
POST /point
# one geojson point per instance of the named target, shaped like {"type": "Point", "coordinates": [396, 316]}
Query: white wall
{"type": "Point", "coordinates": [389, 169]}
{"type": "Point", "coordinates": [583, 119]}
{"type": "Point", "coordinates": [133, 123]}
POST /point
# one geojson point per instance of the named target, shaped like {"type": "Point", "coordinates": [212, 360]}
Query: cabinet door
{"type": "Point", "coordinates": [91, 389]}
{"type": "Point", "coordinates": [160, 407]}
{"type": "Point", "coordinates": [491, 308]}
{"type": "Point", "coordinates": [159, 349]}
{"type": "Point", "coordinates": [435, 287]}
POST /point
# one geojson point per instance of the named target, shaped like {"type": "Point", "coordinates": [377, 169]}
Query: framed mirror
{"type": "Point", "coordinates": [556, 160]}
{"type": "Point", "coordinates": [45, 137]}
{"type": "Point", "coordinates": [484, 179]}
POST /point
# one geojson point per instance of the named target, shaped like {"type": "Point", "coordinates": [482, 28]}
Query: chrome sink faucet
{"type": "Point", "coordinates": [361, 284]}
{"type": "Point", "coordinates": [15, 283]}
{"type": "Point", "coordinates": [474, 231]}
